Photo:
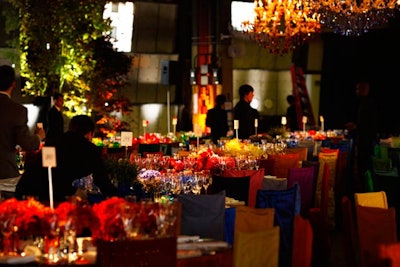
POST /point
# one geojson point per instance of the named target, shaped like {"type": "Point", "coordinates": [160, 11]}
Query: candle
{"type": "Point", "coordinates": [321, 118]}
{"type": "Point", "coordinates": [174, 121]}
{"type": "Point", "coordinates": [236, 124]}
{"type": "Point", "coordinates": [283, 120]}
{"type": "Point", "coordinates": [304, 119]}
{"type": "Point", "coordinates": [145, 123]}
{"type": "Point", "coordinates": [256, 123]}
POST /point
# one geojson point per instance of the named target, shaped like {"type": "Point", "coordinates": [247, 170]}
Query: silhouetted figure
{"type": "Point", "coordinates": [217, 119]}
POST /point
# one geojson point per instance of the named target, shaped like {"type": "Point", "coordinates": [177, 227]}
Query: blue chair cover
{"type": "Point", "coordinates": [203, 215]}
{"type": "Point", "coordinates": [229, 230]}
{"type": "Point", "coordinates": [284, 203]}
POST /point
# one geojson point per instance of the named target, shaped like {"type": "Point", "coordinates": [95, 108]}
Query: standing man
{"type": "Point", "coordinates": [217, 119]}
{"type": "Point", "coordinates": [55, 119]}
{"type": "Point", "coordinates": [365, 130]}
{"type": "Point", "coordinates": [245, 113]}
{"type": "Point", "coordinates": [14, 128]}
{"type": "Point", "coordinates": [291, 114]}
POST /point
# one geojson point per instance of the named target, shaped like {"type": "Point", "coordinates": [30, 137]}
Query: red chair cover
{"type": "Point", "coordinates": [375, 226]}
{"type": "Point", "coordinates": [349, 232]}
{"type": "Point", "coordinates": [389, 254]}
{"type": "Point", "coordinates": [320, 224]}
{"type": "Point", "coordinates": [282, 163]}
{"type": "Point", "coordinates": [302, 242]}
{"type": "Point", "coordinates": [304, 177]}
{"type": "Point", "coordinates": [256, 181]}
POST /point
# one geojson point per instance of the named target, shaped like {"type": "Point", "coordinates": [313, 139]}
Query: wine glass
{"type": "Point", "coordinates": [207, 181]}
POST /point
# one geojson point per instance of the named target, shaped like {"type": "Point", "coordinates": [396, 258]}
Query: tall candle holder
{"type": "Point", "coordinates": [283, 122]}
{"type": "Point", "coordinates": [174, 123]}
{"type": "Point", "coordinates": [255, 125]}
{"type": "Point", "coordinates": [236, 128]}
{"type": "Point", "coordinates": [304, 120]}
{"type": "Point", "coordinates": [144, 124]}
{"type": "Point", "coordinates": [321, 118]}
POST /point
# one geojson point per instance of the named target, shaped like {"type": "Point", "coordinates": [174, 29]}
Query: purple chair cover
{"type": "Point", "coordinates": [304, 177]}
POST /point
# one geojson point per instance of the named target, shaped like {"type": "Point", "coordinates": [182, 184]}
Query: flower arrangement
{"type": "Point", "coordinates": [235, 148]}
{"type": "Point", "coordinates": [150, 179]}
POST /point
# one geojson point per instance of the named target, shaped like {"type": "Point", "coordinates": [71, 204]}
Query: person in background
{"type": "Point", "coordinates": [77, 157]}
{"type": "Point", "coordinates": [55, 119]}
{"type": "Point", "coordinates": [217, 119]}
{"type": "Point", "coordinates": [14, 129]}
{"type": "Point", "coordinates": [291, 114]}
{"type": "Point", "coordinates": [364, 130]}
{"type": "Point", "coordinates": [244, 113]}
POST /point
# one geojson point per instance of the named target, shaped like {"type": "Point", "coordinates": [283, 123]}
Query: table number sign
{"type": "Point", "coordinates": [49, 161]}
{"type": "Point", "coordinates": [126, 138]}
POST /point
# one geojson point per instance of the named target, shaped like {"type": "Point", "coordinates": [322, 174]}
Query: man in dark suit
{"type": "Point", "coordinates": [217, 119]}
{"type": "Point", "coordinates": [77, 157]}
{"type": "Point", "coordinates": [55, 119]}
{"type": "Point", "coordinates": [14, 129]}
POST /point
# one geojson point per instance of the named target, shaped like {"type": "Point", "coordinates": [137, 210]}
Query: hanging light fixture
{"type": "Point", "coordinates": [355, 17]}
{"type": "Point", "coordinates": [282, 25]}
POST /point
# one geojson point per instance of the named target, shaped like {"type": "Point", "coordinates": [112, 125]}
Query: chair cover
{"type": "Point", "coordinates": [320, 224]}
{"type": "Point", "coordinates": [368, 181]}
{"type": "Point", "coordinates": [371, 199]}
{"type": "Point", "coordinates": [229, 224]}
{"type": "Point", "coordinates": [273, 183]}
{"type": "Point", "coordinates": [235, 187]}
{"type": "Point", "coordinates": [302, 242]}
{"type": "Point", "coordinates": [284, 203]}
{"type": "Point", "coordinates": [282, 163]}
{"type": "Point", "coordinates": [256, 179]}
{"type": "Point", "coordinates": [304, 177]}
{"type": "Point", "coordinates": [330, 157]}
{"type": "Point", "coordinates": [259, 248]}
{"type": "Point", "coordinates": [315, 164]}
{"type": "Point", "coordinates": [302, 151]}
{"type": "Point", "coordinates": [389, 253]}
{"type": "Point", "coordinates": [375, 226]}
{"type": "Point", "coordinates": [350, 244]}
{"type": "Point", "coordinates": [203, 215]}
{"type": "Point", "coordinates": [158, 252]}
{"type": "Point", "coordinates": [250, 219]}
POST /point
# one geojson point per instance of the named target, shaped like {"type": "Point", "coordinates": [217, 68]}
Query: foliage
{"type": "Point", "coordinates": [121, 171]}
{"type": "Point", "coordinates": [63, 48]}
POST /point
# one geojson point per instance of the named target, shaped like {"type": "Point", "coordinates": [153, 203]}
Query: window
{"type": "Point", "coordinates": [241, 11]}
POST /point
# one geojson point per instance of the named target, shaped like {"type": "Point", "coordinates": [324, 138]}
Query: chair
{"type": "Point", "coordinates": [302, 151]}
{"type": "Point", "coordinates": [284, 203]}
{"type": "Point", "coordinates": [157, 252]}
{"type": "Point", "coordinates": [389, 254]}
{"type": "Point", "coordinates": [371, 199]}
{"type": "Point", "coordinates": [315, 164]}
{"type": "Point", "coordinates": [329, 157]}
{"type": "Point", "coordinates": [259, 248]}
{"type": "Point", "coordinates": [250, 219]}
{"type": "Point", "coordinates": [235, 187]}
{"type": "Point", "coordinates": [350, 244]}
{"type": "Point", "coordinates": [320, 224]}
{"type": "Point", "coordinates": [375, 226]}
{"type": "Point", "coordinates": [302, 242]}
{"type": "Point", "coordinates": [203, 215]}
{"type": "Point", "coordinates": [281, 163]}
{"type": "Point", "coordinates": [368, 181]}
{"type": "Point", "coordinates": [304, 177]}
{"type": "Point", "coordinates": [273, 183]}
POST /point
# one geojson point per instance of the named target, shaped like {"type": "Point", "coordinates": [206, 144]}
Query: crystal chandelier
{"type": "Point", "coordinates": [282, 25]}
{"type": "Point", "coordinates": [355, 17]}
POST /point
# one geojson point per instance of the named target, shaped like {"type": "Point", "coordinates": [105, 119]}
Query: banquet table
{"type": "Point", "coordinates": [222, 258]}
{"type": "Point", "coordinates": [256, 181]}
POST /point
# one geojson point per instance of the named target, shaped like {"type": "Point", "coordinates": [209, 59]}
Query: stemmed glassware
{"type": "Point", "coordinates": [207, 181]}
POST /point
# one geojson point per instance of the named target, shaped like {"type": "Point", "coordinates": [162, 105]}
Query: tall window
{"type": "Point", "coordinates": [241, 11]}
{"type": "Point", "coordinates": [121, 15]}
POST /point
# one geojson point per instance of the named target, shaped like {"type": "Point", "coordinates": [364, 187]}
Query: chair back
{"type": "Point", "coordinates": [302, 242]}
{"type": "Point", "coordinates": [375, 226]}
{"type": "Point", "coordinates": [302, 151]}
{"type": "Point", "coordinates": [250, 219]}
{"type": "Point", "coordinates": [284, 203]}
{"type": "Point", "coordinates": [389, 254]}
{"type": "Point", "coordinates": [157, 252]}
{"type": "Point", "coordinates": [274, 183]}
{"type": "Point", "coordinates": [350, 244]}
{"type": "Point", "coordinates": [234, 187]}
{"type": "Point", "coordinates": [304, 177]}
{"type": "Point", "coordinates": [371, 199]}
{"type": "Point", "coordinates": [282, 163]}
{"type": "Point", "coordinates": [203, 215]}
{"type": "Point", "coordinates": [259, 248]}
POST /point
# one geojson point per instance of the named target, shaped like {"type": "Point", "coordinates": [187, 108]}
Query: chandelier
{"type": "Point", "coordinates": [355, 17]}
{"type": "Point", "coordinates": [282, 25]}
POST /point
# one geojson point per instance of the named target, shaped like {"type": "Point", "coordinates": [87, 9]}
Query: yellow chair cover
{"type": "Point", "coordinates": [250, 219]}
{"type": "Point", "coordinates": [329, 158]}
{"type": "Point", "coordinates": [257, 249]}
{"type": "Point", "coordinates": [371, 199]}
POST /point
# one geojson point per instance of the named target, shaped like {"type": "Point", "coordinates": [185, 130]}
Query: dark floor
{"type": "Point", "coordinates": [337, 258]}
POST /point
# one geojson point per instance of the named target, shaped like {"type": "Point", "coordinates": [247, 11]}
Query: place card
{"type": "Point", "coordinates": [49, 156]}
